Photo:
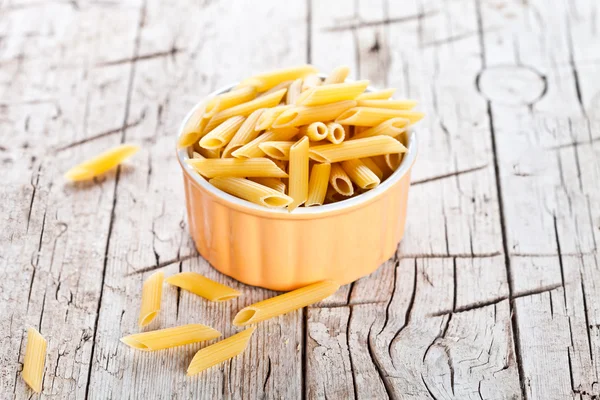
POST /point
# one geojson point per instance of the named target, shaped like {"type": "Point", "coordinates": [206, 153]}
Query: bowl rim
{"type": "Point", "coordinates": [316, 211]}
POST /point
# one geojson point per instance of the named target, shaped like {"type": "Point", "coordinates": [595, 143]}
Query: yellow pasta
{"type": "Point", "coordinates": [268, 117]}
{"type": "Point", "coordinates": [333, 196]}
{"type": "Point", "coordinates": [359, 148]}
{"type": "Point", "coordinates": [245, 134]}
{"type": "Point", "coordinates": [393, 160]}
{"type": "Point", "coordinates": [380, 95]}
{"type": "Point", "coordinates": [390, 127]}
{"type": "Point", "coordinates": [340, 181]}
{"type": "Point", "coordinates": [209, 153]}
{"type": "Point", "coordinates": [220, 351]}
{"type": "Point", "coordinates": [170, 337]}
{"type": "Point", "coordinates": [273, 183]}
{"type": "Point", "coordinates": [382, 165]}
{"type": "Point", "coordinates": [202, 286]}
{"type": "Point", "coordinates": [245, 109]}
{"type": "Point", "coordinates": [317, 184]}
{"type": "Point", "coordinates": [101, 163]}
{"type": "Point", "coordinates": [252, 191]}
{"type": "Point", "coordinates": [277, 150]}
{"type": "Point", "coordinates": [310, 82]}
{"type": "Point", "coordinates": [336, 92]}
{"type": "Point", "coordinates": [294, 92]}
{"type": "Point", "coordinates": [372, 165]}
{"type": "Point", "coordinates": [222, 134]}
{"type": "Point", "coordinates": [392, 104]}
{"type": "Point", "coordinates": [35, 358]}
{"type": "Point", "coordinates": [231, 98]}
{"type": "Point", "coordinates": [151, 296]}
{"type": "Point", "coordinates": [285, 303]}
{"type": "Point", "coordinates": [282, 85]}
{"type": "Point", "coordinates": [252, 149]}
{"type": "Point", "coordinates": [194, 127]}
{"type": "Point", "coordinates": [240, 168]}
{"type": "Point", "coordinates": [298, 173]}
{"type": "Point", "coordinates": [335, 133]}
{"type": "Point", "coordinates": [266, 81]}
{"type": "Point", "coordinates": [360, 174]}
{"type": "Point", "coordinates": [315, 131]}
{"type": "Point", "coordinates": [302, 115]}
{"type": "Point", "coordinates": [338, 75]}
{"type": "Point", "coordinates": [367, 116]}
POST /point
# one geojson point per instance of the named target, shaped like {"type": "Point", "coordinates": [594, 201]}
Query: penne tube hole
{"type": "Point", "coordinates": [210, 144]}
{"type": "Point", "coordinates": [371, 185]}
{"type": "Point", "coordinates": [148, 318]}
{"type": "Point", "coordinates": [393, 160]}
{"type": "Point", "coordinates": [244, 317]}
{"type": "Point", "coordinates": [227, 297]}
{"type": "Point", "coordinates": [274, 152]}
{"type": "Point", "coordinates": [317, 157]}
{"type": "Point", "coordinates": [134, 343]}
{"type": "Point", "coordinates": [342, 186]}
{"type": "Point", "coordinates": [321, 131]}
{"type": "Point", "coordinates": [286, 117]}
{"type": "Point", "coordinates": [275, 201]}
{"type": "Point", "coordinates": [338, 134]}
{"type": "Point", "coordinates": [346, 115]}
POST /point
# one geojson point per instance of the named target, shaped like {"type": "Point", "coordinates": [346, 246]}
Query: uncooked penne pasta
{"type": "Point", "coordinates": [373, 167]}
{"type": "Point", "coordinates": [315, 131]}
{"type": "Point", "coordinates": [392, 104]}
{"type": "Point", "coordinates": [202, 286]}
{"type": "Point", "coordinates": [360, 174]}
{"type": "Point", "coordinates": [252, 149]}
{"type": "Point", "coordinates": [194, 128]}
{"type": "Point", "coordinates": [170, 337]}
{"type": "Point", "coordinates": [222, 134]}
{"type": "Point", "coordinates": [338, 75]}
{"type": "Point", "coordinates": [197, 155]}
{"type": "Point", "coordinates": [317, 184]}
{"type": "Point", "coordinates": [335, 133]}
{"type": "Point", "coordinates": [245, 109]}
{"type": "Point", "coordinates": [382, 165]}
{"type": "Point", "coordinates": [298, 181]}
{"type": "Point", "coordinates": [390, 127]}
{"type": "Point", "coordinates": [273, 183]}
{"type": "Point", "coordinates": [245, 134]}
{"type": "Point", "coordinates": [340, 181]}
{"type": "Point", "coordinates": [232, 98]}
{"type": "Point", "coordinates": [380, 95]}
{"type": "Point", "coordinates": [35, 358]}
{"type": "Point", "coordinates": [267, 80]}
{"type": "Point", "coordinates": [101, 163]}
{"type": "Point", "coordinates": [282, 85]}
{"type": "Point", "coordinates": [151, 296]}
{"type": "Point", "coordinates": [268, 117]}
{"type": "Point", "coordinates": [252, 191]}
{"type": "Point", "coordinates": [310, 82]}
{"type": "Point", "coordinates": [277, 150]}
{"type": "Point", "coordinates": [220, 351]}
{"type": "Point", "coordinates": [367, 116]}
{"type": "Point", "coordinates": [294, 92]}
{"type": "Point", "coordinates": [285, 303]}
{"type": "Point", "coordinates": [326, 94]}
{"type": "Point", "coordinates": [209, 153]}
{"type": "Point", "coordinates": [302, 115]}
{"type": "Point", "coordinates": [239, 168]}
{"type": "Point", "coordinates": [333, 196]}
{"type": "Point", "coordinates": [393, 160]}
{"type": "Point", "coordinates": [359, 148]}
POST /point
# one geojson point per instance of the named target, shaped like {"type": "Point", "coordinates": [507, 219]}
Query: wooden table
{"type": "Point", "coordinates": [494, 292]}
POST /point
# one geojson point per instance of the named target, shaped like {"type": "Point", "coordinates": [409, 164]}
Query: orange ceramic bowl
{"type": "Point", "coordinates": [278, 250]}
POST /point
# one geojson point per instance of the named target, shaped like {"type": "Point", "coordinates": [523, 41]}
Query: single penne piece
{"type": "Point", "coordinates": [380, 95]}
{"type": "Point", "coordinates": [252, 191]}
{"type": "Point", "coordinates": [194, 127]}
{"type": "Point", "coordinates": [338, 75]}
{"type": "Point", "coordinates": [266, 81]}
{"type": "Point", "coordinates": [277, 150]}
{"type": "Point", "coordinates": [358, 148]}
{"type": "Point", "coordinates": [245, 109]}
{"type": "Point", "coordinates": [285, 303]}
{"type": "Point", "coordinates": [208, 153]}
{"type": "Point", "coordinates": [220, 351]}
{"type": "Point", "coordinates": [222, 134]}
{"type": "Point", "coordinates": [373, 167]}
{"type": "Point", "coordinates": [101, 163]}
{"type": "Point", "coordinates": [333, 93]}
{"type": "Point", "coordinates": [170, 337]}
{"type": "Point", "coordinates": [335, 133]}
{"type": "Point", "coordinates": [310, 82]}
{"type": "Point", "coordinates": [333, 196]}
{"type": "Point", "coordinates": [390, 127]}
{"type": "Point", "coordinates": [273, 183]}
{"type": "Point", "coordinates": [367, 116]}
{"type": "Point", "coordinates": [360, 174]}
{"type": "Point", "coordinates": [392, 104]}
{"type": "Point", "coordinates": [298, 182]}
{"type": "Point", "coordinates": [268, 117]}
{"type": "Point", "coordinates": [232, 98]}
{"type": "Point", "coordinates": [302, 115]}
{"type": "Point", "coordinates": [294, 91]}
{"type": "Point", "coordinates": [340, 181]}
{"type": "Point", "coordinates": [35, 358]}
{"type": "Point", "coordinates": [239, 168]}
{"type": "Point", "coordinates": [252, 149]}
{"type": "Point", "coordinates": [202, 286]}
{"type": "Point", "coordinates": [245, 134]}
{"type": "Point", "coordinates": [383, 167]}
{"type": "Point", "coordinates": [394, 160]}
{"type": "Point", "coordinates": [282, 85]}
{"type": "Point", "coordinates": [315, 131]}
{"type": "Point", "coordinates": [317, 184]}
{"type": "Point", "coordinates": [151, 296]}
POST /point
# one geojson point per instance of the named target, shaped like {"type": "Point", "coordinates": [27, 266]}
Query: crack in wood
{"type": "Point", "coordinates": [448, 175]}
{"type": "Point", "coordinates": [159, 54]}
{"type": "Point", "coordinates": [163, 264]}
{"type": "Point", "coordinates": [352, 371]}
{"type": "Point", "coordinates": [408, 314]}
{"type": "Point", "coordinates": [389, 389]}
{"type": "Point", "coordinates": [385, 21]}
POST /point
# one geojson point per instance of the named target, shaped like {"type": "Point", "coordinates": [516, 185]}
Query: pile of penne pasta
{"type": "Point", "coordinates": [288, 138]}
{"type": "Point", "coordinates": [35, 352]}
